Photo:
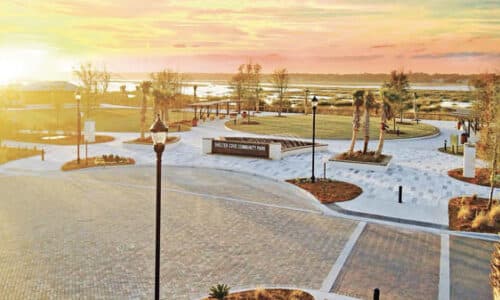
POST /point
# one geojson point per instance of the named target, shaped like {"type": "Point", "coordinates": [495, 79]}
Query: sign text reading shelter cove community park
{"type": "Point", "coordinates": [240, 148]}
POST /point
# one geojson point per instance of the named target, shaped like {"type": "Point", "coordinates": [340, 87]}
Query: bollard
{"type": "Point", "coordinates": [445, 146]}
{"type": "Point", "coordinates": [324, 170]}
{"type": "Point", "coordinates": [43, 155]}
{"type": "Point", "coordinates": [400, 200]}
{"type": "Point", "coordinates": [397, 131]}
{"type": "Point", "coordinates": [376, 294]}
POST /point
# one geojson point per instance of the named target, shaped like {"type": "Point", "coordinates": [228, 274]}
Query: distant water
{"type": "Point", "coordinates": [205, 89]}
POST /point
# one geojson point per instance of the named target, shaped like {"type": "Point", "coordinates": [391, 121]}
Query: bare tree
{"type": "Point", "coordinates": [487, 107]}
{"type": "Point", "coordinates": [257, 69]}
{"type": "Point", "coordinates": [103, 80]}
{"type": "Point", "coordinates": [88, 77]}
{"type": "Point", "coordinates": [280, 79]}
{"type": "Point", "coordinates": [145, 88]}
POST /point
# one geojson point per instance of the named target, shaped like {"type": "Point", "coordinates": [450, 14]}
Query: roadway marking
{"type": "Point", "coordinates": [444, 268]}
{"type": "Point", "coordinates": [339, 263]}
{"type": "Point", "coordinates": [216, 197]}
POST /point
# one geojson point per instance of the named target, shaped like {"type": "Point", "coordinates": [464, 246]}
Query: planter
{"type": "Point", "coordinates": [369, 166]}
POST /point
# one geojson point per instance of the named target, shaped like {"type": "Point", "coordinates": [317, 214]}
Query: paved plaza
{"type": "Point", "coordinates": [90, 234]}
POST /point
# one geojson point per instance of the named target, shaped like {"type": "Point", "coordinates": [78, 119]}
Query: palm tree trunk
{"type": "Point", "coordinates": [143, 116]}
{"type": "Point", "coordinates": [381, 139]}
{"type": "Point", "coordinates": [366, 131]}
{"type": "Point", "coordinates": [353, 140]}
{"type": "Point", "coordinates": [493, 173]}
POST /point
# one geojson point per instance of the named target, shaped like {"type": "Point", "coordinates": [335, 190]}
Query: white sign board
{"type": "Point", "coordinates": [89, 131]}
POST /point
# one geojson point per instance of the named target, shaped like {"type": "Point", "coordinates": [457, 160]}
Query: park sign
{"type": "Point", "coordinates": [89, 131]}
{"type": "Point", "coordinates": [240, 148]}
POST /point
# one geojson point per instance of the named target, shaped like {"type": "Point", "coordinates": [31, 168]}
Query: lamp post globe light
{"type": "Point", "coordinates": [78, 97]}
{"type": "Point", "coordinates": [314, 104]}
{"type": "Point", "coordinates": [159, 136]}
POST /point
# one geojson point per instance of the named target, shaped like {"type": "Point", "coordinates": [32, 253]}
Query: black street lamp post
{"type": "Point", "coordinates": [314, 103]}
{"type": "Point", "coordinates": [78, 97]}
{"type": "Point", "coordinates": [159, 135]}
{"type": "Point", "coordinates": [305, 101]}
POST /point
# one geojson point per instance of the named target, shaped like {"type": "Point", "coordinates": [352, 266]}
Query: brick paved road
{"type": "Point", "coordinates": [81, 235]}
{"type": "Point", "coordinates": [469, 268]}
{"type": "Point", "coordinates": [89, 235]}
{"type": "Point", "coordinates": [402, 264]}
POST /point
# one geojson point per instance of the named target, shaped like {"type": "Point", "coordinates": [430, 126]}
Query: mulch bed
{"type": "Point", "coordinates": [476, 205]}
{"type": "Point", "coordinates": [269, 294]}
{"type": "Point", "coordinates": [482, 176]}
{"type": "Point", "coordinates": [460, 151]}
{"type": "Point", "coordinates": [96, 162]}
{"type": "Point", "coordinates": [328, 190]}
{"type": "Point", "coordinates": [149, 141]}
{"type": "Point", "coordinates": [360, 157]}
{"type": "Point", "coordinates": [249, 123]}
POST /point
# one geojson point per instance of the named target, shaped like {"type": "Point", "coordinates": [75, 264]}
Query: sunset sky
{"type": "Point", "coordinates": [40, 38]}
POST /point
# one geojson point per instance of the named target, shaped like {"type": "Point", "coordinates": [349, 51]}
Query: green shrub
{"type": "Point", "coordinates": [219, 291]}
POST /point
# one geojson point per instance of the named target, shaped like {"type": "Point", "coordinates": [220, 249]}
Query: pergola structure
{"type": "Point", "coordinates": [206, 107]}
{"type": "Point", "coordinates": [467, 119]}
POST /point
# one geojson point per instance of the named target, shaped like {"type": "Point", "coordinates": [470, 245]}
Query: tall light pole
{"type": "Point", "coordinates": [159, 135]}
{"type": "Point", "coordinates": [78, 97]}
{"type": "Point", "coordinates": [305, 101]}
{"type": "Point", "coordinates": [314, 103]}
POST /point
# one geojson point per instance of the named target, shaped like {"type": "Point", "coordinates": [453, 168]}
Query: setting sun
{"type": "Point", "coordinates": [258, 150]}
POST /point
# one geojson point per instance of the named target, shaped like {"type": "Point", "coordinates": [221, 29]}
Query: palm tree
{"type": "Point", "coordinates": [369, 105]}
{"type": "Point", "coordinates": [385, 115]}
{"type": "Point", "coordinates": [145, 87]}
{"type": "Point", "coordinates": [357, 102]}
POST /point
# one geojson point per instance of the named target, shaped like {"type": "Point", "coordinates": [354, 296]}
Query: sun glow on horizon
{"type": "Point", "coordinates": [18, 64]}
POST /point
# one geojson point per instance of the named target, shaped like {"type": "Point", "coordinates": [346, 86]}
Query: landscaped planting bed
{"type": "Point", "coordinates": [149, 141]}
{"type": "Point", "coordinates": [359, 156]}
{"type": "Point", "coordinates": [458, 152]}
{"type": "Point", "coordinates": [268, 294]}
{"type": "Point", "coordinates": [328, 190]}
{"type": "Point", "coordinates": [470, 214]}
{"type": "Point", "coordinates": [482, 176]}
{"type": "Point", "coordinates": [98, 161]}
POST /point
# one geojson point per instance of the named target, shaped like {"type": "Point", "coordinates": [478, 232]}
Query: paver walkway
{"type": "Point", "coordinates": [89, 234]}
{"type": "Point", "coordinates": [417, 166]}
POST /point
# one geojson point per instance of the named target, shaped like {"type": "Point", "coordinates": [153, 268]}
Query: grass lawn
{"type": "Point", "coordinates": [327, 127]}
{"type": "Point", "coordinates": [110, 120]}
{"type": "Point", "coordinates": [67, 140]}
{"type": "Point", "coordinates": [7, 153]}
